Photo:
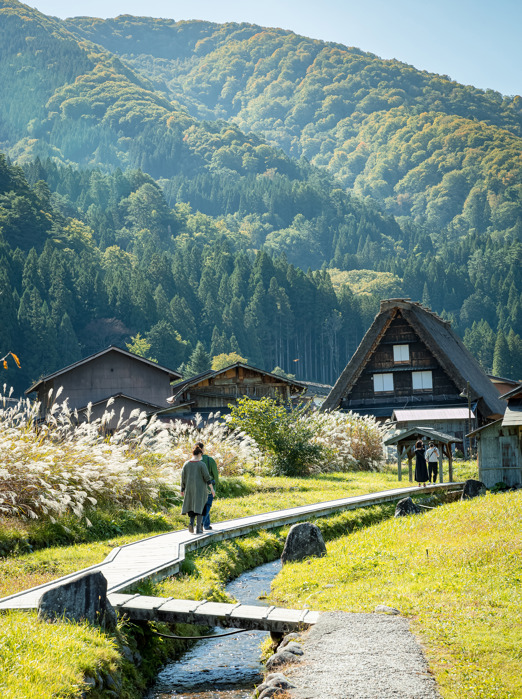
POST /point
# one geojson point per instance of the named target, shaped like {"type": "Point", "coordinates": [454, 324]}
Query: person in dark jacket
{"type": "Point", "coordinates": [421, 470]}
{"type": "Point", "coordinates": [194, 480]}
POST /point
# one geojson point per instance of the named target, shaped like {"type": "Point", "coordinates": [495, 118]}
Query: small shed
{"type": "Point", "coordinates": [405, 443]}
{"type": "Point", "coordinates": [499, 445]}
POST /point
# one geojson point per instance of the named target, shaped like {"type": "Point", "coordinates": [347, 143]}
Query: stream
{"type": "Point", "coordinates": [226, 668]}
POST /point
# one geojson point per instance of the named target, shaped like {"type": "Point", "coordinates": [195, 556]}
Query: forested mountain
{"type": "Point", "coordinates": [445, 154]}
{"type": "Point", "coordinates": [178, 179]}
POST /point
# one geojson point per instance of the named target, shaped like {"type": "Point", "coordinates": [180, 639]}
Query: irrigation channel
{"type": "Point", "coordinates": [226, 668]}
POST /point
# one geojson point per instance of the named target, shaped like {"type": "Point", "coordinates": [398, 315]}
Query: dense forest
{"type": "Point", "coordinates": [224, 188]}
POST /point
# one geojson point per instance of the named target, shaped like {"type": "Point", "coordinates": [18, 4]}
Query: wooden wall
{"type": "Point", "coordinates": [421, 359]}
{"type": "Point", "coordinates": [218, 391]}
{"type": "Point", "coordinates": [107, 375]}
{"type": "Point", "coordinates": [500, 455]}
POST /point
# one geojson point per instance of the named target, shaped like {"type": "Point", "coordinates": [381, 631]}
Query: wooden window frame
{"type": "Point", "coordinates": [400, 347]}
{"type": "Point", "coordinates": [422, 389]}
{"type": "Point", "coordinates": [384, 390]}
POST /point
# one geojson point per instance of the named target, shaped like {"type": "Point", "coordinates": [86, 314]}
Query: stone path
{"type": "Point", "coordinates": [360, 656]}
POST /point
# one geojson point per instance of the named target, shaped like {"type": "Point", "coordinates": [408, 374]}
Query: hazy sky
{"type": "Point", "coordinates": [476, 42]}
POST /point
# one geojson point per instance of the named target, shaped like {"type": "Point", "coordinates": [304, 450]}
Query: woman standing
{"type": "Point", "coordinates": [194, 480]}
{"type": "Point", "coordinates": [421, 470]}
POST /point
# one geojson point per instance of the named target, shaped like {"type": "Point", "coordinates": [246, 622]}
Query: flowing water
{"type": "Point", "coordinates": [226, 668]}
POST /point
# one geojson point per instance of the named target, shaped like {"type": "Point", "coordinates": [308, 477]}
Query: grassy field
{"type": "Point", "coordinates": [456, 572]}
{"type": "Point", "coordinates": [82, 650]}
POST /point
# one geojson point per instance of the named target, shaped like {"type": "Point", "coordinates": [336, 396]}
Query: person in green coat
{"type": "Point", "coordinates": [212, 469]}
{"type": "Point", "coordinates": [194, 480]}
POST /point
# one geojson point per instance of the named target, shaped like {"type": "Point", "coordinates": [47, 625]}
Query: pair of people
{"type": "Point", "coordinates": [425, 472]}
{"type": "Point", "coordinates": [198, 477]}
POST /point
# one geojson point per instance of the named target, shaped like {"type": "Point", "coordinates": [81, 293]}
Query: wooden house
{"type": "Point", "coordinates": [131, 381]}
{"type": "Point", "coordinates": [411, 360]}
{"type": "Point", "coordinates": [213, 391]}
{"type": "Point", "coordinates": [499, 445]}
{"type": "Point", "coordinates": [502, 384]}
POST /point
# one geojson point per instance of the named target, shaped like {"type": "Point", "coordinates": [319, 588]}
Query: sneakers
{"type": "Point", "coordinates": [191, 528]}
{"type": "Point", "coordinates": [199, 531]}
{"type": "Point", "coordinates": [208, 529]}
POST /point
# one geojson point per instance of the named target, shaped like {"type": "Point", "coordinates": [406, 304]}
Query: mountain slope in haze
{"type": "Point", "coordinates": [99, 112]}
{"type": "Point", "coordinates": [428, 148]}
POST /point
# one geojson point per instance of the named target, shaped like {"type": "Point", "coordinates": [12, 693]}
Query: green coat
{"type": "Point", "coordinates": [194, 479]}
{"type": "Point", "coordinates": [212, 468]}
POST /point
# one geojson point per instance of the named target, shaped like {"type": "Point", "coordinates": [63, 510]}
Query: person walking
{"type": "Point", "coordinates": [421, 470]}
{"type": "Point", "coordinates": [213, 471]}
{"type": "Point", "coordinates": [432, 457]}
{"type": "Point", "coordinates": [194, 480]}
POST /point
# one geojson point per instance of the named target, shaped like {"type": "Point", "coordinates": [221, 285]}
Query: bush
{"type": "Point", "coordinates": [284, 436]}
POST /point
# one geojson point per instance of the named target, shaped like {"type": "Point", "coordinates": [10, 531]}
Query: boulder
{"type": "Point", "coordinates": [274, 681]}
{"type": "Point", "coordinates": [303, 541]}
{"type": "Point", "coordinates": [82, 599]}
{"type": "Point", "coordinates": [473, 489]}
{"type": "Point", "coordinates": [406, 507]}
{"type": "Point", "coordinates": [384, 609]}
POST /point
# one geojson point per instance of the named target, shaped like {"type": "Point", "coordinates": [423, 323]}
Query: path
{"type": "Point", "coordinates": [361, 656]}
{"type": "Point", "coordinates": [160, 556]}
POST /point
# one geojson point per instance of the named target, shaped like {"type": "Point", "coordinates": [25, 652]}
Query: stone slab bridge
{"type": "Point", "coordinates": [160, 556]}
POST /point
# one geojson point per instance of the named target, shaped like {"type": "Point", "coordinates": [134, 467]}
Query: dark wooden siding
{"type": "Point", "coordinates": [421, 358]}
{"type": "Point", "coordinates": [218, 391]}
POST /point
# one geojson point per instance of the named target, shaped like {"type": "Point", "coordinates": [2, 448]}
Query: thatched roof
{"type": "Point", "coordinates": [443, 343]}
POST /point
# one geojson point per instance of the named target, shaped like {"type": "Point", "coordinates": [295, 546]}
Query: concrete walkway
{"type": "Point", "coordinates": [160, 556]}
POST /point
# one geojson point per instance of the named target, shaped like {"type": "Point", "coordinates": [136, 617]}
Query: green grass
{"type": "Point", "coordinates": [455, 571]}
{"type": "Point", "coordinates": [79, 650]}
{"type": "Point", "coordinates": [49, 660]}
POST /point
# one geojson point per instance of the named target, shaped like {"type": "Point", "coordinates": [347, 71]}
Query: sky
{"type": "Point", "coordinates": [475, 42]}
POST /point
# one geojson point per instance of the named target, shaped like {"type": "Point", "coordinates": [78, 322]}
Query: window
{"type": "Point", "coordinates": [401, 354]}
{"type": "Point", "coordinates": [382, 383]}
{"type": "Point", "coordinates": [422, 380]}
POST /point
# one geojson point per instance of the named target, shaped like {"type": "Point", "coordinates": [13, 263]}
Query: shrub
{"type": "Point", "coordinates": [284, 436]}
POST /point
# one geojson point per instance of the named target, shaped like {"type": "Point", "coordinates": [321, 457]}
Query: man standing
{"type": "Point", "coordinates": [213, 471]}
{"type": "Point", "coordinates": [432, 457]}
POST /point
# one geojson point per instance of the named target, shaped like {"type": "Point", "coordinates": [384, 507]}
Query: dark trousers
{"type": "Point", "coordinates": [433, 469]}
{"type": "Point", "coordinates": [206, 511]}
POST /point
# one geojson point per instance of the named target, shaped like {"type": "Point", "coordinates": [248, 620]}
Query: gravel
{"type": "Point", "coordinates": [361, 656]}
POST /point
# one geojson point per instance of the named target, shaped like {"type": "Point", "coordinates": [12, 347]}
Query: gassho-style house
{"type": "Point", "coordinates": [412, 369]}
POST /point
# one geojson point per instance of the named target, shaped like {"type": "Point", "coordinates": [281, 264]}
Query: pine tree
{"type": "Point", "coordinates": [501, 358]}
{"type": "Point", "coordinates": [198, 363]}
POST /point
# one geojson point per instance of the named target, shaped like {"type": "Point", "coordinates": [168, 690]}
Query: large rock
{"type": "Point", "coordinates": [82, 599]}
{"type": "Point", "coordinates": [304, 540]}
{"type": "Point", "coordinates": [473, 489]}
{"type": "Point", "coordinates": [406, 507]}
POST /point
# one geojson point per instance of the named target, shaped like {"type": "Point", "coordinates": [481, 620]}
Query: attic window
{"type": "Point", "coordinates": [401, 354]}
{"type": "Point", "coordinates": [383, 383]}
{"type": "Point", "coordinates": [422, 380]}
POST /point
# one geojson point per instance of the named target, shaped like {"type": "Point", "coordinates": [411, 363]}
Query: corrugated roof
{"type": "Point", "coordinates": [513, 414]}
{"type": "Point", "coordinates": [412, 432]}
{"type": "Point", "coordinates": [431, 414]}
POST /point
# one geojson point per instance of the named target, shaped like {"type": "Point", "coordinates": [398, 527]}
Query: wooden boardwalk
{"type": "Point", "coordinates": [157, 557]}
